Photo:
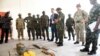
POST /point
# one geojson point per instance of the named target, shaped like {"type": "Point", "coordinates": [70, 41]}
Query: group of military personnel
{"type": "Point", "coordinates": [38, 26]}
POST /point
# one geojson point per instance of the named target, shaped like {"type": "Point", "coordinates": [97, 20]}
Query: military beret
{"type": "Point", "coordinates": [78, 5]}
{"type": "Point", "coordinates": [58, 9]}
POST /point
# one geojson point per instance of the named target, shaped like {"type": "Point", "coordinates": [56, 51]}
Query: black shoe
{"type": "Point", "coordinates": [76, 42]}
{"type": "Point", "coordinates": [84, 50]}
{"type": "Point", "coordinates": [50, 40]}
{"type": "Point", "coordinates": [65, 37]}
{"type": "Point", "coordinates": [92, 53]}
{"type": "Point", "coordinates": [60, 45]}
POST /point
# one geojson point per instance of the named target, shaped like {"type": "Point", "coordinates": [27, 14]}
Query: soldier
{"type": "Point", "coordinates": [38, 25]}
{"type": "Point", "coordinates": [45, 25]}
{"type": "Point", "coordinates": [6, 22]}
{"type": "Point", "coordinates": [53, 25]}
{"type": "Point", "coordinates": [70, 24]}
{"type": "Point", "coordinates": [27, 20]}
{"type": "Point", "coordinates": [92, 37]}
{"type": "Point", "coordinates": [11, 29]}
{"type": "Point", "coordinates": [33, 25]}
{"type": "Point", "coordinates": [20, 26]}
{"type": "Point", "coordinates": [79, 17]}
{"type": "Point", "coordinates": [60, 26]}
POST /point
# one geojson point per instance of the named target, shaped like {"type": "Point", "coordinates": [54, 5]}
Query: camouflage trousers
{"type": "Point", "coordinates": [91, 38]}
{"type": "Point", "coordinates": [79, 28]}
{"type": "Point", "coordinates": [20, 32]}
{"type": "Point", "coordinates": [60, 35]}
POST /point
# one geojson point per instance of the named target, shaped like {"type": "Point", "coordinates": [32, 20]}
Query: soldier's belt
{"type": "Point", "coordinates": [78, 21]}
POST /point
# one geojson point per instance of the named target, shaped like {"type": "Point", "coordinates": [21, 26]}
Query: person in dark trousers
{"type": "Point", "coordinates": [45, 25]}
{"type": "Point", "coordinates": [92, 36]}
{"type": "Point", "coordinates": [38, 29]}
{"type": "Point", "coordinates": [70, 24]}
{"type": "Point", "coordinates": [27, 20]}
{"type": "Point", "coordinates": [53, 25]}
{"type": "Point", "coordinates": [6, 22]}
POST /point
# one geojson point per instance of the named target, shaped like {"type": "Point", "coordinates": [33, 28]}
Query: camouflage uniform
{"type": "Point", "coordinates": [70, 24]}
{"type": "Point", "coordinates": [33, 26]}
{"type": "Point", "coordinates": [38, 29]}
{"type": "Point", "coordinates": [20, 26]}
{"type": "Point", "coordinates": [79, 19]}
{"type": "Point", "coordinates": [29, 27]}
{"type": "Point", "coordinates": [60, 27]}
{"type": "Point", "coordinates": [45, 25]}
{"type": "Point", "coordinates": [92, 37]}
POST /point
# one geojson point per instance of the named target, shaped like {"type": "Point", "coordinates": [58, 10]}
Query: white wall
{"type": "Point", "coordinates": [37, 6]}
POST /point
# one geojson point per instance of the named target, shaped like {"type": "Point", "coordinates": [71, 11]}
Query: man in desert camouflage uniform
{"type": "Point", "coordinates": [79, 17]}
{"type": "Point", "coordinates": [20, 26]}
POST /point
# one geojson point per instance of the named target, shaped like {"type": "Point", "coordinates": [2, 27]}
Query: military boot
{"type": "Point", "coordinates": [84, 50]}
{"type": "Point", "coordinates": [92, 52]}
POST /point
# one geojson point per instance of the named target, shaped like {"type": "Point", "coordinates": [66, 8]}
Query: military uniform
{"type": "Point", "coordinates": [92, 37]}
{"type": "Point", "coordinates": [38, 29]}
{"type": "Point", "coordinates": [79, 19]}
{"type": "Point", "coordinates": [33, 27]}
{"type": "Point", "coordinates": [29, 27]}
{"type": "Point", "coordinates": [20, 26]}
{"type": "Point", "coordinates": [45, 25]}
{"type": "Point", "coordinates": [70, 24]}
{"type": "Point", "coordinates": [60, 28]}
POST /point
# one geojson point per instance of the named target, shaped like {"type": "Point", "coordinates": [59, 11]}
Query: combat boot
{"type": "Point", "coordinates": [77, 42]}
{"type": "Point", "coordinates": [92, 53]}
{"type": "Point", "coordinates": [84, 50]}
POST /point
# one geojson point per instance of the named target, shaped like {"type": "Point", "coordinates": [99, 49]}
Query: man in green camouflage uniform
{"type": "Point", "coordinates": [60, 26]}
{"type": "Point", "coordinates": [45, 25]}
{"type": "Point", "coordinates": [20, 26]}
{"type": "Point", "coordinates": [33, 25]}
{"type": "Point", "coordinates": [38, 29]}
{"type": "Point", "coordinates": [92, 37]}
{"type": "Point", "coordinates": [29, 27]}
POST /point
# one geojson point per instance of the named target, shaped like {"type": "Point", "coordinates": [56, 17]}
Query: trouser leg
{"type": "Point", "coordinates": [28, 31]}
{"type": "Point", "coordinates": [2, 36]}
{"type": "Point", "coordinates": [69, 34]}
{"type": "Point", "coordinates": [47, 33]}
{"type": "Point", "coordinates": [6, 36]}
{"type": "Point", "coordinates": [43, 33]}
{"type": "Point", "coordinates": [52, 36]}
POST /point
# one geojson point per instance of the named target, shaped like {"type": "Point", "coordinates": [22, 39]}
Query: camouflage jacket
{"type": "Point", "coordinates": [27, 20]}
{"type": "Point", "coordinates": [60, 23]}
{"type": "Point", "coordinates": [44, 21]}
{"type": "Point", "coordinates": [94, 13]}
